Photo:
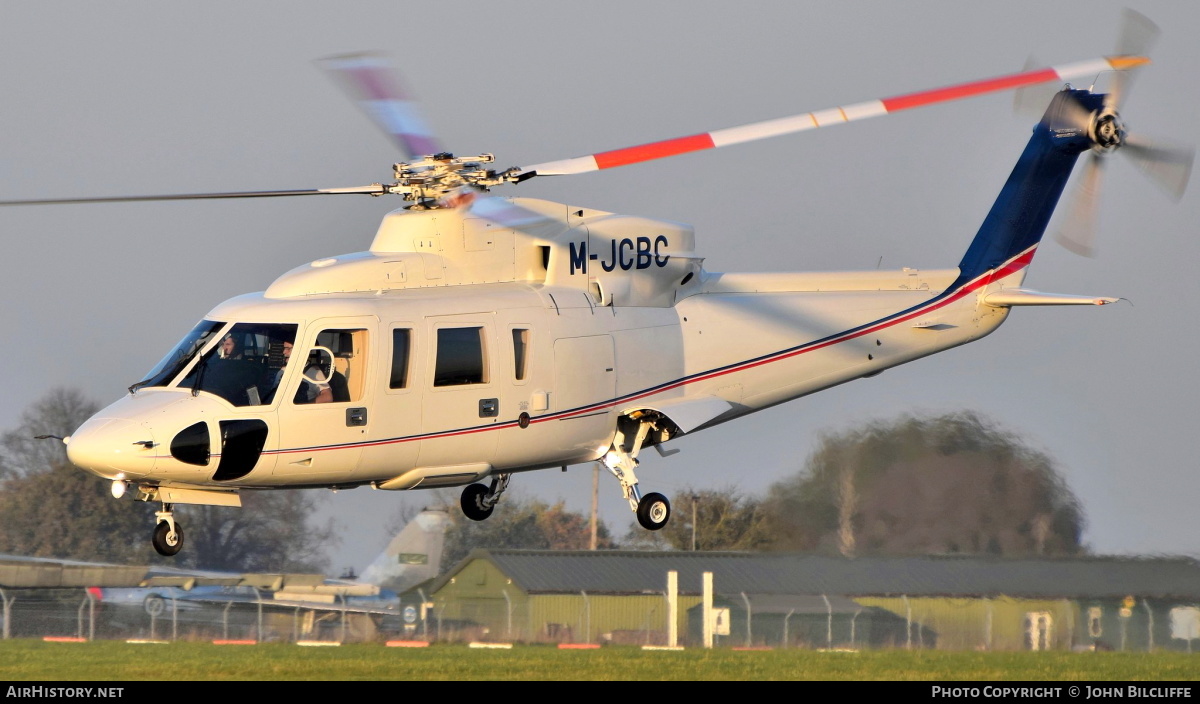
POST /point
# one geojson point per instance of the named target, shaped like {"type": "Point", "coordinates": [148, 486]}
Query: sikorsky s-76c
{"type": "Point", "coordinates": [480, 336]}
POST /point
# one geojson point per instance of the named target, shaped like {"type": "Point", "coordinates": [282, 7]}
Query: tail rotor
{"type": "Point", "coordinates": [1167, 165]}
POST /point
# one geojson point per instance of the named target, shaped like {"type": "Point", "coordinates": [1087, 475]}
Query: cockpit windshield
{"type": "Point", "coordinates": [179, 357]}
{"type": "Point", "coordinates": [246, 366]}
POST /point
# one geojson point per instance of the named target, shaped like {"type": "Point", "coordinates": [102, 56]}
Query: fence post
{"type": "Point", "coordinates": [508, 609]}
{"type": "Point", "coordinates": [907, 622]}
{"type": "Point", "coordinates": [1150, 624]}
{"type": "Point", "coordinates": [785, 627]}
{"type": "Point", "coordinates": [8, 613]}
{"type": "Point", "coordinates": [749, 618]}
{"type": "Point", "coordinates": [587, 618]}
{"type": "Point", "coordinates": [258, 628]}
{"type": "Point", "coordinates": [828, 623]}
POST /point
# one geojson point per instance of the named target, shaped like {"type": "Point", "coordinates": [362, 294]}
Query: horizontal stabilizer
{"type": "Point", "coordinates": [1026, 297]}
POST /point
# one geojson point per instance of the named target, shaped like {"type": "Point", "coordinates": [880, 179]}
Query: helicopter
{"type": "Point", "coordinates": [479, 336]}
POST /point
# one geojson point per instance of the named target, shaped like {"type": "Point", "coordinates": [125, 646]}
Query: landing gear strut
{"type": "Point", "coordinates": [168, 534]}
{"type": "Point", "coordinates": [653, 510]}
{"type": "Point", "coordinates": [479, 500]}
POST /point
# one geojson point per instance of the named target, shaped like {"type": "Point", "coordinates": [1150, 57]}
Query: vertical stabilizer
{"type": "Point", "coordinates": [413, 556]}
{"type": "Point", "coordinates": [1019, 217]}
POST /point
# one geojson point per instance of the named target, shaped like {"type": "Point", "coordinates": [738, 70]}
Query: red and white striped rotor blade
{"type": "Point", "coordinates": [372, 82]}
{"type": "Point", "coordinates": [825, 118]}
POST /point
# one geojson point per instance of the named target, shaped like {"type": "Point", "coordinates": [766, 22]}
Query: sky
{"type": "Point", "coordinates": [136, 98]}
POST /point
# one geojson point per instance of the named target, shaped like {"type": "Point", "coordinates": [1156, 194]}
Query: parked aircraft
{"type": "Point", "coordinates": [411, 557]}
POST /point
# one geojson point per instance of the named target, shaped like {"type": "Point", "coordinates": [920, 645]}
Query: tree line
{"type": "Point", "coordinates": [951, 483]}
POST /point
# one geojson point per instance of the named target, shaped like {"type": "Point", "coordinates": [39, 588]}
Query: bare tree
{"type": "Point", "coordinates": [955, 483]}
{"type": "Point", "coordinates": [706, 519]}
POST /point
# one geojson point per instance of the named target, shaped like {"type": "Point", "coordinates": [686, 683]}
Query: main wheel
{"type": "Point", "coordinates": [653, 511]}
{"type": "Point", "coordinates": [472, 502]}
{"type": "Point", "coordinates": [166, 542]}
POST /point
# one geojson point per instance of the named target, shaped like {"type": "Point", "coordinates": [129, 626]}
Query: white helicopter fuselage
{"type": "Point", "coordinates": [586, 319]}
{"type": "Point", "coordinates": [510, 335]}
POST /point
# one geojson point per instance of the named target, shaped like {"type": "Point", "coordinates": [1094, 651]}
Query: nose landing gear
{"type": "Point", "coordinates": [168, 534]}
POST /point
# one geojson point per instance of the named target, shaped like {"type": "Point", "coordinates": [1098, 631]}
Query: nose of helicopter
{"type": "Point", "coordinates": [112, 446]}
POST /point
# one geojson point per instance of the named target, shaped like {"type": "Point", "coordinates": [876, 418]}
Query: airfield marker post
{"type": "Point", "coordinates": [707, 612]}
{"type": "Point", "coordinates": [672, 608]}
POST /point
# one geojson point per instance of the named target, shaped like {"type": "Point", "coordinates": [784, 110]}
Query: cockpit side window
{"type": "Point", "coordinates": [247, 364]}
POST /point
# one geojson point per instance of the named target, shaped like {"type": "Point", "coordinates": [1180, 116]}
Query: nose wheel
{"type": "Point", "coordinates": [168, 534]}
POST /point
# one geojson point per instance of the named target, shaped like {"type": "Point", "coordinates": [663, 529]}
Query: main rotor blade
{"type": "Point", "coordinates": [823, 118]}
{"type": "Point", "coordinates": [1169, 167]}
{"type": "Point", "coordinates": [371, 81]}
{"type": "Point", "coordinates": [374, 189]}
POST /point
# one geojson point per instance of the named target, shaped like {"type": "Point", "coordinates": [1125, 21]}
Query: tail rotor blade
{"type": "Point", "coordinates": [1078, 233]}
{"type": "Point", "coordinates": [1169, 167]}
{"type": "Point", "coordinates": [1137, 37]}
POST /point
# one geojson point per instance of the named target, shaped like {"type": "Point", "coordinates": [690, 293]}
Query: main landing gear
{"type": "Point", "coordinates": [479, 500]}
{"type": "Point", "coordinates": [653, 510]}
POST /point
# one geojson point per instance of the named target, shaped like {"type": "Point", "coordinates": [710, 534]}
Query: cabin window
{"type": "Point", "coordinates": [461, 357]}
{"type": "Point", "coordinates": [334, 368]}
{"type": "Point", "coordinates": [520, 352]}
{"type": "Point", "coordinates": [401, 342]}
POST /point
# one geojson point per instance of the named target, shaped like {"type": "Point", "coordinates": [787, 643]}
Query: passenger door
{"type": "Point", "coordinates": [321, 434]}
{"type": "Point", "coordinates": [461, 396]}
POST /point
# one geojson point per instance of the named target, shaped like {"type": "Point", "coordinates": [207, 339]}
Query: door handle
{"type": "Point", "coordinates": [356, 416]}
{"type": "Point", "coordinates": [489, 407]}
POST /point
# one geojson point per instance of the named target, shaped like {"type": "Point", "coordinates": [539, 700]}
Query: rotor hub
{"type": "Point", "coordinates": [1107, 131]}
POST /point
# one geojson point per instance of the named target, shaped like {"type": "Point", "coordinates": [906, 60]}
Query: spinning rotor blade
{"type": "Point", "coordinates": [822, 118]}
{"type": "Point", "coordinates": [1169, 168]}
{"type": "Point", "coordinates": [1137, 36]}
{"type": "Point", "coordinates": [371, 81]}
{"type": "Point", "coordinates": [1078, 234]}
{"type": "Point", "coordinates": [374, 189]}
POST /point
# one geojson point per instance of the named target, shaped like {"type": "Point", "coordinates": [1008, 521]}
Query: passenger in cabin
{"type": "Point", "coordinates": [313, 385]}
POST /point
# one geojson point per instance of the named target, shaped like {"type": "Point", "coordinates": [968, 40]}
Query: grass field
{"type": "Point", "coordinates": [38, 661]}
